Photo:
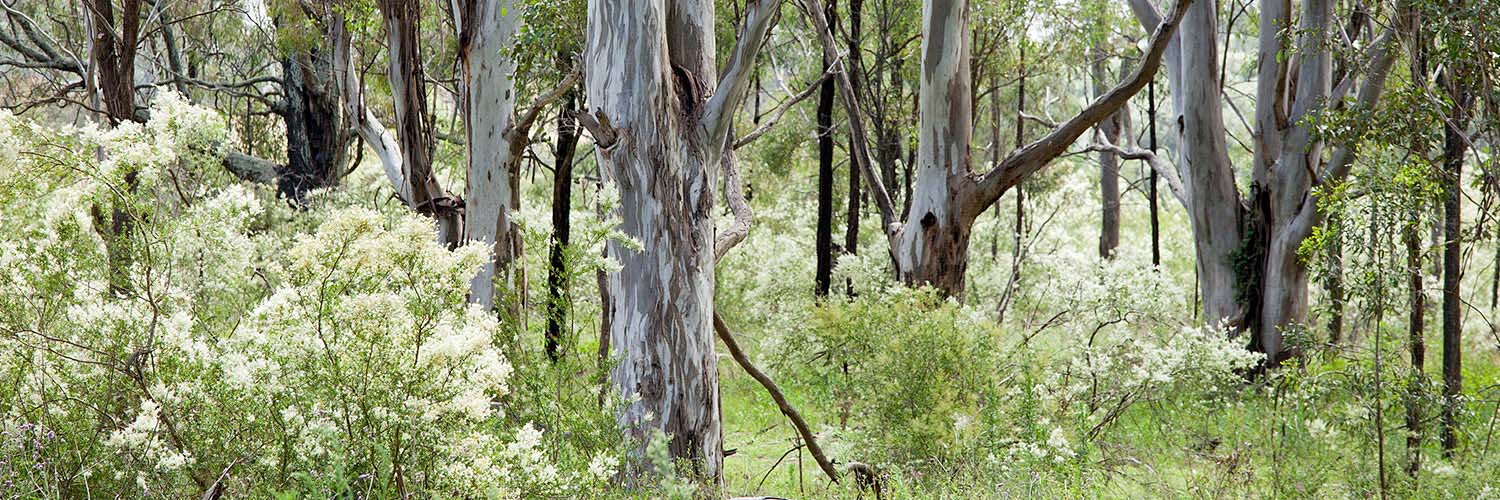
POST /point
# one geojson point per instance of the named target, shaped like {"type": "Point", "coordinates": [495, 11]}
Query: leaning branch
{"type": "Point", "coordinates": [734, 193]}
{"type": "Point", "coordinates": [250, 168]}
{"type": "Point", "coordinates": [522, 126]}
{"type": "Point", "coordinates": [777, 113]}
{"type": "Point", "coordinates": [860, 143]}
{"type": "Point", "coordinates": [776, 395]}
{"type": "Point", "coordinates": [1342, 160]}
{"type": "Point", "coordinates": [1168, 172]}
{"type": "Point", "coordinates": [369, 127]}
{"type": "Point", "coordinates": [1381, 60]}
{"type": "Point", "coordinates": [718, 114]}
{"type": "Point", "coordinates": [1023, 162]}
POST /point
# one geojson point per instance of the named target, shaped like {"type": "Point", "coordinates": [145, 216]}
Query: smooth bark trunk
{"type": "Point", "coordinates": [931, 247]}
{"type": "Point", "coordinates": [486, 31]}
{"type": "Point", "coordinates": [1249, 271]}
{"type": "Point", "coordinates": [1215, 209]}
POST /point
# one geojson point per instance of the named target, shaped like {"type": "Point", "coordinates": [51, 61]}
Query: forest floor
{"type": "Point", "coordinates": [1270, 442]}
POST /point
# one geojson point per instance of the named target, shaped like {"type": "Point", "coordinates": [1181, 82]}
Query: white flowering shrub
{"type": "Point", "coordinates": [222, 355]}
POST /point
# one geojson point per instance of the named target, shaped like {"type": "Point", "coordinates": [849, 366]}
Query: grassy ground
{"type": "Point", "coordinates": [1308, 433]}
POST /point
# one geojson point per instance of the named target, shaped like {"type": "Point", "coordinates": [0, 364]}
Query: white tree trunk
{"type": "Point", "coordinates": [408, 160]}
{"type": "Point", "coordinates": [932, 248]}
{"type": "Point", "coordinates": [489, 103]}
{"type": "Point", "coordinates": [1204, 153]}
{"type": "Point", "coordinates": [1249, 270]}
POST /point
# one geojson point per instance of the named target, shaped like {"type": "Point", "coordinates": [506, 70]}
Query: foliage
{"type": "Point", "coordinates": [340, 361]}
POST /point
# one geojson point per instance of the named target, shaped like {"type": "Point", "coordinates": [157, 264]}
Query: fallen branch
{"type": "Point", "coordinates": [781, 402]}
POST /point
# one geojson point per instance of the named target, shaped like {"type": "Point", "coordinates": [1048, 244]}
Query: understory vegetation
{"type": "Point", "coordinates": [749, 249]}
{"type": "Point", "coordinates": [330, 352]}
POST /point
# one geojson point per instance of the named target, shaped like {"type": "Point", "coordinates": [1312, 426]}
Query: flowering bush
{"type": "Point", "coordinates": [221, 356]}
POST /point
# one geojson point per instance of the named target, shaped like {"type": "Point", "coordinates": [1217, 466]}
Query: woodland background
{"type": "Point", "coordinates": [712, 248]}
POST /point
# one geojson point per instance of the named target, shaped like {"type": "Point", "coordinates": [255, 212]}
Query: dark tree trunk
{"type": "Point", "coordinates": [1109, 166]}
{"type": "Point", "coordinates": [851, 232]}
{"type": "Point", "coordinates": [1454, 147]}
{"type": "Point", "coordinates": [824, 275]}
{"type": "Point", "coordinates": [1151, 187]}
{"type": "Point", "coordinates": [562, 202]}
{"type": "Point", "coordinates": [314, 138]}
{"type": "Point", "coordinates": [1416, 325]}
{"type": "Point", "coordinates": [851, 217]}
{"type": "Point", "coordinates": [113, 54]}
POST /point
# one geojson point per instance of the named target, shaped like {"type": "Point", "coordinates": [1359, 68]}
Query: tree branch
{"type": "Point", "coordinates": [599, 128]}
{"type": "Point", "coordinates": [1167, 171]}
{"type": "Point", "coordinates": [522, 126]}
{"type": "Point", "coordinates": [734, 194]}
{"type": "Point", "coordinates": [780, 110]}
{"type": "Point", "coordinates": [718, 114]}
{"type": "Point", "coordinates": [1023, 162]}
{"type": "Point", "coordinates": [1381, 59]}
{"type": "Point", "coordinates": [250, 168]}
{"type": "Point", "coordinates": [369, 127]}
{"type": "Point", "coordinates": [781, 402]}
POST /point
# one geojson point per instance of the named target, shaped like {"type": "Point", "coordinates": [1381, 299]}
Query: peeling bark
{"type": "Point", "coordinates": [661, 127]}
{"type": "Point", "coordinates": [407, 161]}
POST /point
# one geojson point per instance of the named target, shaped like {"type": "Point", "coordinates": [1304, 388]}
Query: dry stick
{"type": "Point", "coordinates": [781, 402]}
{"type": "Point", "coordinates": [735, 194]}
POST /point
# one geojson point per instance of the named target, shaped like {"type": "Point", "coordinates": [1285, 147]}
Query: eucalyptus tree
{"type": "Point", "coordinates": [661, 126]}
{"type": "Point", "coordinates": [1250, 274]}
{"type": "Point", "coordinates": [1111, 130]}
{"type": "Point", "coordinates": [496, 135]}
{"type": "Point", "coordinates": [930, 247]}
{"type": "Point", "coordinates": [405, 155]}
